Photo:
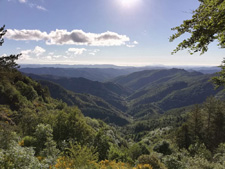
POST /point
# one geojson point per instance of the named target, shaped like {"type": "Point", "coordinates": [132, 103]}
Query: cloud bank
{"type": "Point", "coordinates": [75, 37]}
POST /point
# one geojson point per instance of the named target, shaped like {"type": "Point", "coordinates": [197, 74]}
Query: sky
{"type": "Point", "coordinates": [119, 32]}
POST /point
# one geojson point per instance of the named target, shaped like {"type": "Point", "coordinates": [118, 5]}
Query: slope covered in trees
{"type": "Point", "coordinates": [162, 90]}
{"type": "Point", "coordinates": [37, 131]}
{"type": "Point", "coordinates": [145, 93]}
{"type": "Point", "coordinates": [112, 93]}
{"type": "Point", "coordinates": [90, 105]}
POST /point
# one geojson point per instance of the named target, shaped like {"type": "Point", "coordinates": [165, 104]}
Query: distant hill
{"type": "Point", "coordinates": [112, 93]}
{"type": "Point", "coordinates": [90, 105]}
{"type": "Point", "coordinates": [94, 74]}
{"type": "Point", "coordinates": [157, 91]}
{"type": "Point", "coordinates": [138, 80]}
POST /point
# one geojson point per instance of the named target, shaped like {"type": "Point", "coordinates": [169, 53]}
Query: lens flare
{"type": "Point", "coordinates": [129, 3]}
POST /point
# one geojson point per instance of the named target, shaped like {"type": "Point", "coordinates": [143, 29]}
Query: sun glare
{"type": "Point", "coordinates": [129, 3]}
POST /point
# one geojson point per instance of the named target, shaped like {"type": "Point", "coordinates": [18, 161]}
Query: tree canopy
{"type": "Point", "coordinates": [206, 25]}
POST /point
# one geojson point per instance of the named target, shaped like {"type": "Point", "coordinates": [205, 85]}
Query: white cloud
{"type": "Point", "coordinates": [30, 4]}
{"type": "Point", "coordinates": [76, 51]}
{"type": "Point", "coordinates": [41, 8]}
{"type": "Point", "coordinates": [75, 37]}
{"type": "Point", "coordinates": [93, 52]}
{"type": "Point", "coordinates": [27, 54]}
{"type": "Point", "coordinates": [38, 51]}
{"type": "Point", "coordinates": [26, 34]}
{"type": "Point", "coordinates": [49, 57]}
{"type": "Point", "coordinates": [51, 53]}
{"type": "Point", "coordinates": [132, 45]}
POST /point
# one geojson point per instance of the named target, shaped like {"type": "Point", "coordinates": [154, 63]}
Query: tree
{"type": "Point", "coordinates": [183, 137]}
{"type": "Point", "coordinates": [2, 33]}
{"type": "Point", "coordinates": [207, 24]}
{"type": "Point", "coordinates": [195, 123]}
{"type": "Point", "coordinates": [102, 144]}
{"type": "Point", "coordinates": [220, 79]}
{"type": "Point", "coordinates": [7, 62]}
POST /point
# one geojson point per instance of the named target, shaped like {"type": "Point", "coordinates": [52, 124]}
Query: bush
{"type": "Point", "coordinates": [119, 154]}
{"type": "Point", "coordinates": [138, 149]}
{"type": "Point", "coordinates": [26, 90]}
{"type": "Point", "coordinates": [163, 148]}
{"type": "Point", "coordinates": [152, 160]}
{"type": "Point", "coordinates": [77, 156]}
{"type": "Point", "coordinates": [29, 141]}
{"type": "Point", "coordinates": [172, 162]}
{"type": "Point", "coordinates": [19, 157]}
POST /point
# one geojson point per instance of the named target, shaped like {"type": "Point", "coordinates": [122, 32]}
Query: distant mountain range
{"type": "Point", "coordinates": [94, 74]}
{"type": "Point", "coordinates": [100, 72]}
{"type": "Point", "coordinates": [137, 68]}
{"type": "Point", "coordinates": [139, 94]}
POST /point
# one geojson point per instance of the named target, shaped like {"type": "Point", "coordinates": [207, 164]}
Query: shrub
{"type": "Point", "coordinates": [152, 160]}
{"type": "Point", "coordinates": [19, 157]}
{"type": "Point", "coordinates": [77, 156]}
{"type": "Point", "coordinates": [163, 148]}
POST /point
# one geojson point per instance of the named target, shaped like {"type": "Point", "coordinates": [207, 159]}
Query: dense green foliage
{"type": "Point", "coordinates": [219, 80]}
{"type": "Point", "coordinates": [90, 105]}
{"type": "Point", "coordinates": [46, 128]}
{"type": "Point", "coordinates": [206, 25]}
{"type": "Point", "coordinates": [47, 132]}
{"type": "Point", "coordinates": [157, 91]}
{"type": "Point", "coordinates": [204, 125]}
{"type": "Point", "coordinates": [112, 93]}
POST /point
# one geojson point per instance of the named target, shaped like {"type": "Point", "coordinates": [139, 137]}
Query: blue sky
{"type": "Point", "coordinates": [121, 32]}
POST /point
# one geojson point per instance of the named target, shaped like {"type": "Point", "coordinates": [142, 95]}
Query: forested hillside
{"type": "Point", "coordinates": [40, 132]}
{"type": "Point", "coordinates": [163, 90]}
{"type": "Point", "coordinates": [112, 93]}
{"type": "Point", "coordinates": [90, 105]}
{"type": "Point", "coordinates": [143, 94]}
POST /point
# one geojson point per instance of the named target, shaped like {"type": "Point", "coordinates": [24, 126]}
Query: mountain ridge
{"type": "Point", "coordinates": [145, 93]}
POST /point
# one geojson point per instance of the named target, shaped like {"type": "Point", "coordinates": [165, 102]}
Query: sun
{"type": "Point", "coordinates": [129, 3]}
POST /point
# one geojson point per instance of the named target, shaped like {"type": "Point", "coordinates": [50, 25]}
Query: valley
{"type": "Point", "coordinates": [139, 95]}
